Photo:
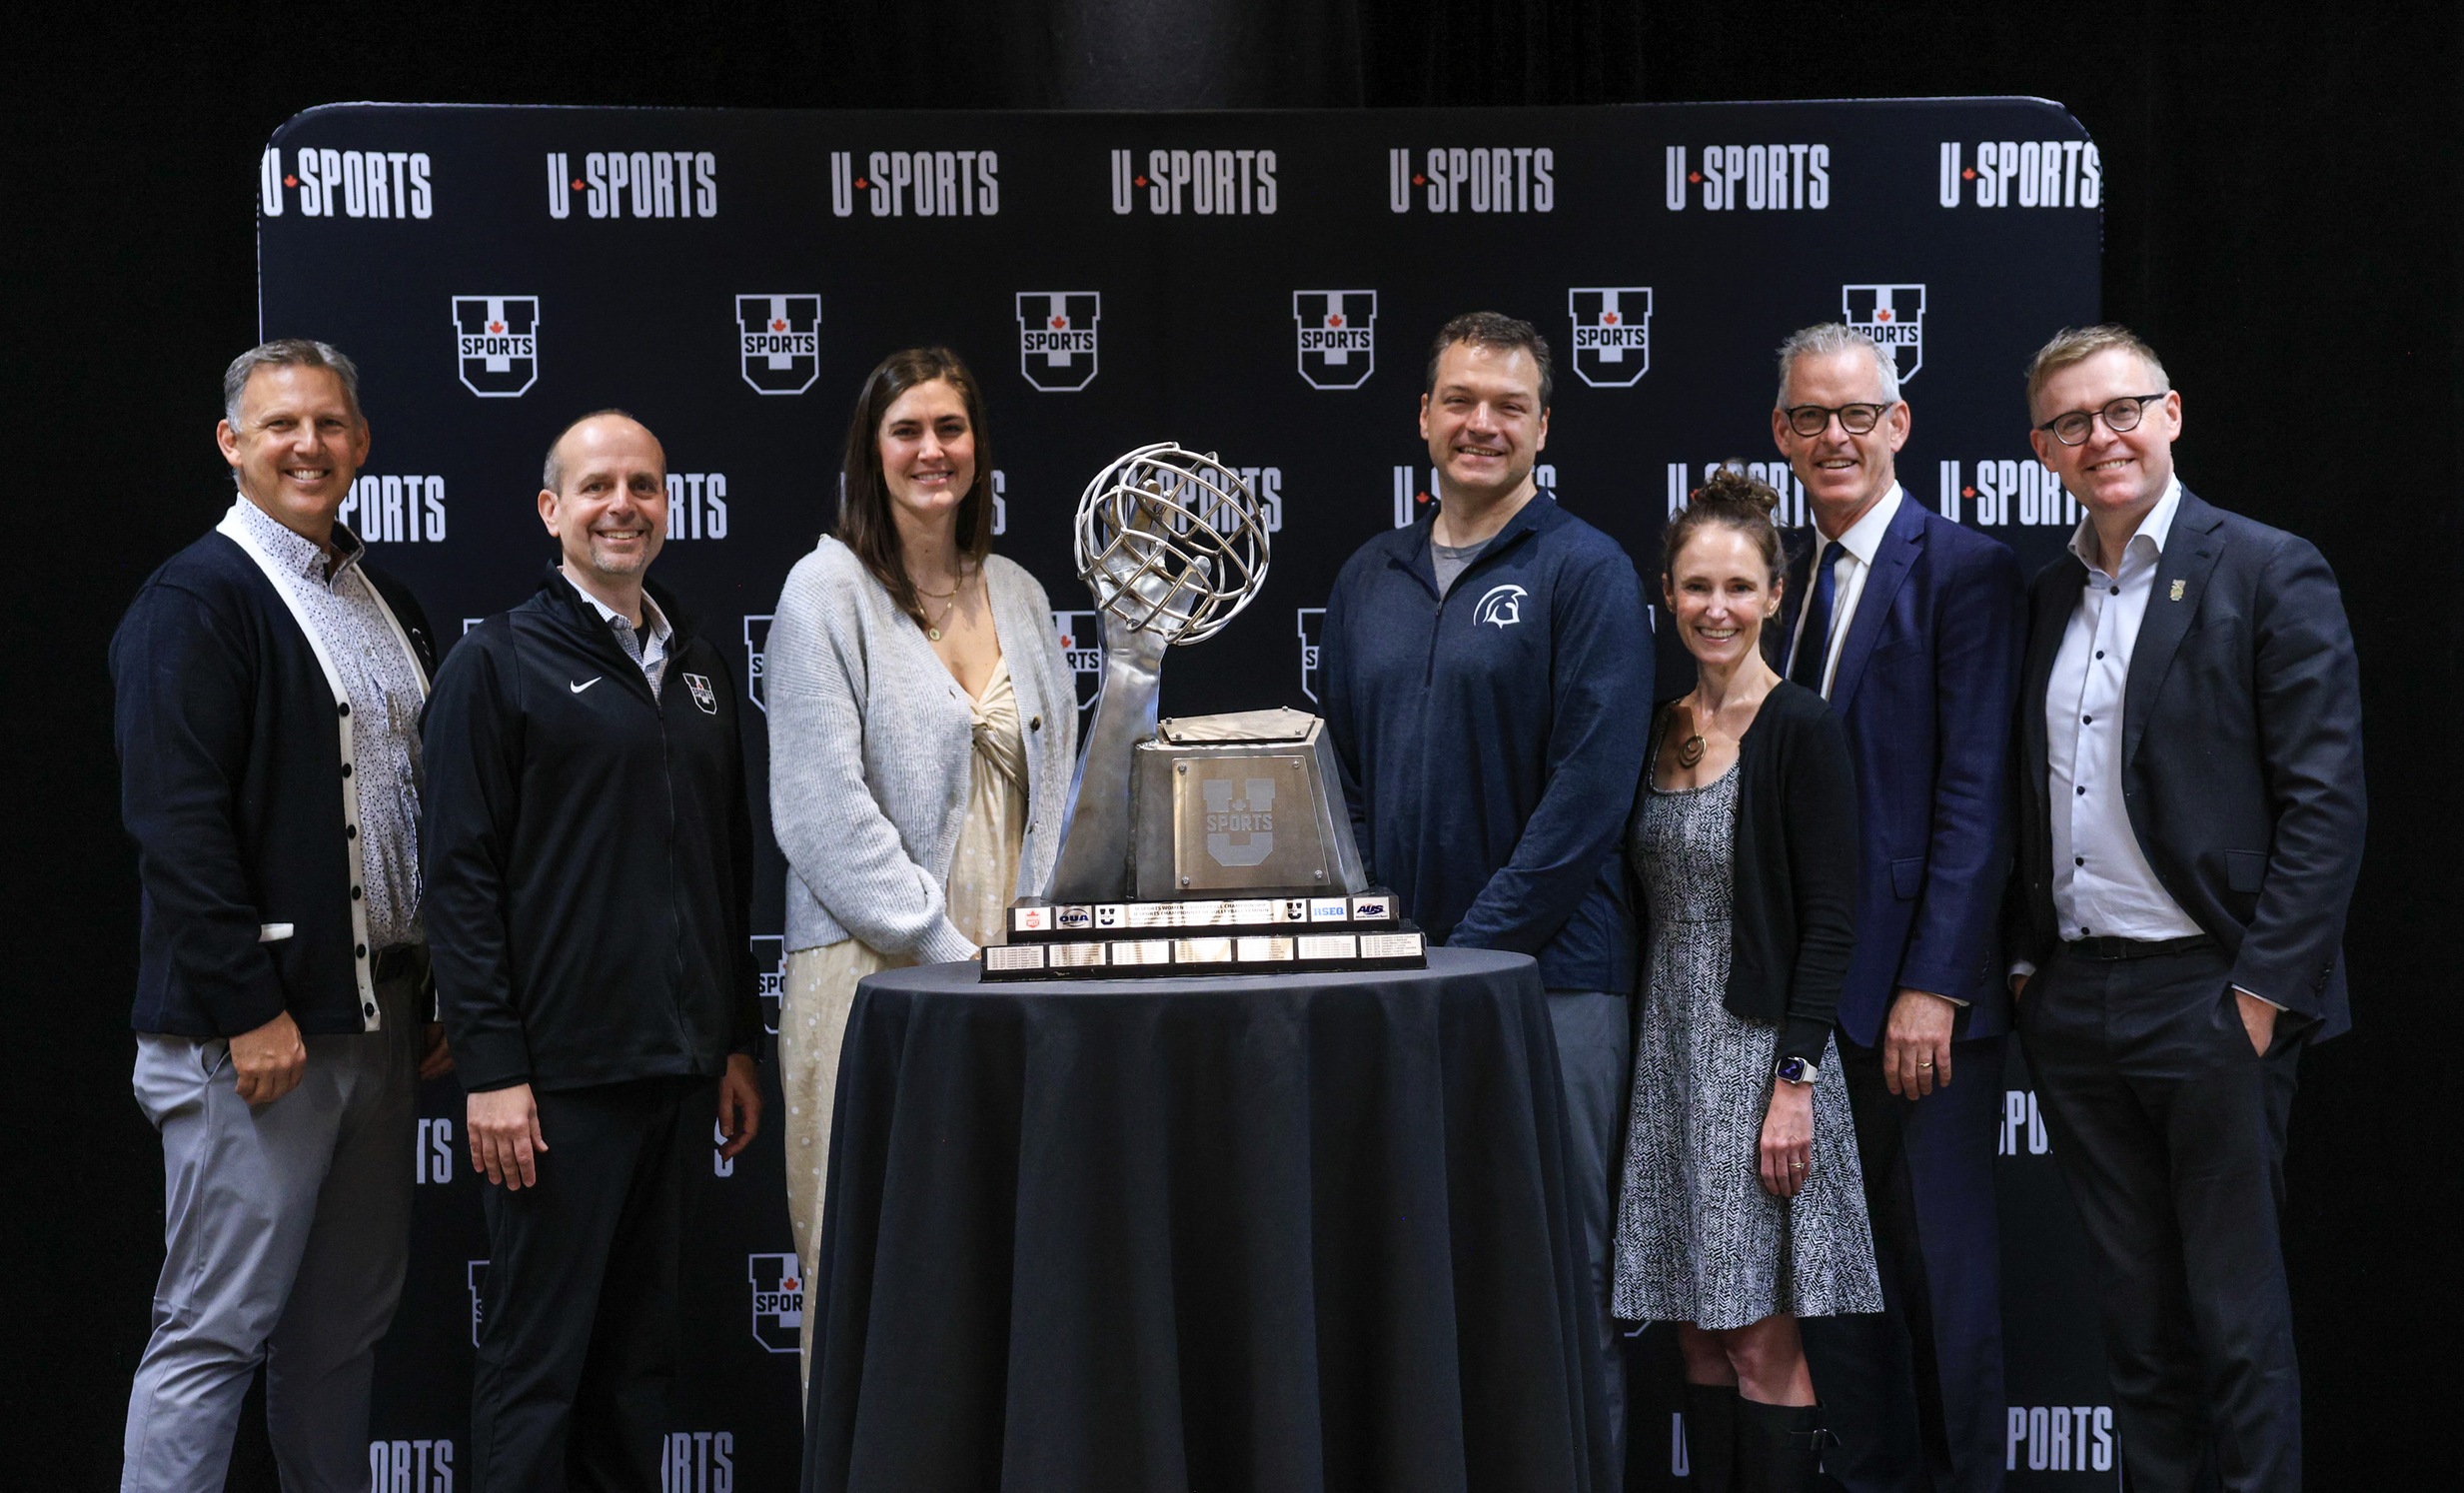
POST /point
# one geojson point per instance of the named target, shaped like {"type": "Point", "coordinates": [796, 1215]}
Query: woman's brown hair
{"type": "Point", "coordinates": [866, 523]}
{"type": "Point", "coordinates": [1731, 499]}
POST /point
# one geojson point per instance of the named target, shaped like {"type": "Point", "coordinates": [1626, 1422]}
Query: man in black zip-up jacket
{"type": "Point", "coordinates": [589, 873]}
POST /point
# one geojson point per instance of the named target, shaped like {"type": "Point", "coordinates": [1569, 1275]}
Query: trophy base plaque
{"type": "Point", "coordinates": [1196, 935]}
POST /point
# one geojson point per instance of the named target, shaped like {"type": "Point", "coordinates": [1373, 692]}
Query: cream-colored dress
{"type": "Point", "coordinates": [820, 982]}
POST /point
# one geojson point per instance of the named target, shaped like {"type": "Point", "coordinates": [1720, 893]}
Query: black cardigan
{"type": "Point", "coordinates": [231, 785]}
{"type": "Point", "coordinates": [1793, 923]}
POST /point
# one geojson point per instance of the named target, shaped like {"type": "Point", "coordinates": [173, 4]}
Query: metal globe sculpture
{"type": "Point", "coordinates": [1171, 542]}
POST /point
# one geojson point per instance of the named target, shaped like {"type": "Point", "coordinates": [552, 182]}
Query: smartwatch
{"type": "Point", "coordinates": [1797, 1070]}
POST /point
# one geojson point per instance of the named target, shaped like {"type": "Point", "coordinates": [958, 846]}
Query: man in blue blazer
{"type": "Point", "coordinates": [1909, 624]}
{"type": "Point", "coordinates": [2189, 827]}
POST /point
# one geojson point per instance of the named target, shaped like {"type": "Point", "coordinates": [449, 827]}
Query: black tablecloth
{"type": "Point", "coordinates": [1273, 1233]}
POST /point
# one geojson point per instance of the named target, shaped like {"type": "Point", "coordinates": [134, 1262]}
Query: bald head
{"type": "Point", "coordinates": [605, 502]}
{"type": "Point", "coordinates": [560, 460]}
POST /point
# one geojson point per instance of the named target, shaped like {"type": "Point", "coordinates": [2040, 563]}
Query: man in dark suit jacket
{"type": "Point", "coordinates": [1910, 624]}
{"type": "Point", "coordinates": [2189, 827]}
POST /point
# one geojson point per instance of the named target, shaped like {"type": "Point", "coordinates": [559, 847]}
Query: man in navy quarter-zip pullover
{"type": "Point", "coordinates": [1488, 681]}
{"type": "Point", "coordinates": [590, 871]}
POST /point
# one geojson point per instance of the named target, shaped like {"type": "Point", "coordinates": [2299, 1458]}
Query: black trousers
{"type": "Point", "coordinates": [577, 1336]}
{"type": "Point", "coordinates": [1915, 1394]}
{"type": "Point", "coordinates": [2171, 1132]}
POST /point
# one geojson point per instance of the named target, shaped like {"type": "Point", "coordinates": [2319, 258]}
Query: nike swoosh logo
{"type": "Point", "coordinates": [577, 689]}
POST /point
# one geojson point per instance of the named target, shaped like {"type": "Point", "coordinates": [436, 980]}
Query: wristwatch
{"type": "Point", "coordinates": [1797, 1070]}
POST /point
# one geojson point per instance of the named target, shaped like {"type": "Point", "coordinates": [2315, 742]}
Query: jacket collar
{"type": "Point", "coordinates": [2190, 551]}
{"type": "Point", "coordinates": [562, 598]}
{"type": "Point", "coordinates": [1408, 549]}
{"type": "Point", "coordinates": [1893, 555]}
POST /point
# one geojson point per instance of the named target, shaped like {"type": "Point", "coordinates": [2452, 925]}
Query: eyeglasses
{"type": "Point", "coordinates": [2120, 416]}
{"type": "Point", "coordinates": [1857, 420]}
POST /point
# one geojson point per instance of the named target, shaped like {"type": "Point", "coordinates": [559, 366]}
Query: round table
{"type": "Point", "coordinates": [1263, 1233]}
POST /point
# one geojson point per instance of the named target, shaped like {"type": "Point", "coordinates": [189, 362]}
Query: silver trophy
{"type": "Point", "coordinates": [1172, 544]}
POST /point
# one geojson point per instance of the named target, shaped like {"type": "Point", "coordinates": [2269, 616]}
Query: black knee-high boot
{"type": "Point", "coordinates": [1711, 1436]}
{"type": "Point", "coordinates": [1778, 1447]}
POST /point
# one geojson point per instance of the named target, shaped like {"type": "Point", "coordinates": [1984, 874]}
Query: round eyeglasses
{"type": "Point", "coordinates": [2120, 416]}
{"type": "Point", "coordinates": [1857, 420]}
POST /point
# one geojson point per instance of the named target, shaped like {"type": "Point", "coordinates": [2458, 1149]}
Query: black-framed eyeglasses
{"type": "Point", "coordinates": [2120, 416]}
{"type": "Point", "coordinates": [1857, 420]}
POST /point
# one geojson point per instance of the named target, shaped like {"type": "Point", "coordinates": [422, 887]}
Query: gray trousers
{"type": "Point", "coordinates": [286, 1229]}
{"type": "Point", "coordinates": [1594, 1050]}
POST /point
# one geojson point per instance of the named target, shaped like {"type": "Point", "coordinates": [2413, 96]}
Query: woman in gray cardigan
{"type": "Point", "coordinates": [923, 722]}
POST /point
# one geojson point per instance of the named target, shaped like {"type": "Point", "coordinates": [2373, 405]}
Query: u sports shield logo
{"type": "Point", "coordinates": [1082, 643]}
{"type": "Point", "coordinates": [1311, 619]}
{"type": "Point", "coordinates": [777, 1300]}
{"type": "Point", "coordinates": [756, 654]}
{"type": "Point", "coordinates": [781, 341]}
{"type": "Point", "coordinates": [1056, 338]}
{"type": "Point", "coordinates": [703, 694]}
{"type": "Point", "coordinates": [496, 344]}
{"type": "Point", "coordinates": [1894, 317]}
{"type": "Point", "coordinates": [1337, 337]}
{"type": "Point", "coordinates": [1240, 826]}
{"type": "Point", "coordinates": [1611, 334]}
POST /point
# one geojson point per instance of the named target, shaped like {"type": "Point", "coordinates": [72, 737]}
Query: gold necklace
{"type": "Point", "coordinates": [1691, 749]}
{"type": "Point", "coordinates": [950, 599]}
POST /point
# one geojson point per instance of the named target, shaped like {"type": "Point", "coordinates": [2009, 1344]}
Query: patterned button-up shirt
{"type": "Point", "coordinates": [650, 652]}
{"type": "Point", "coordinates": [383, 684]}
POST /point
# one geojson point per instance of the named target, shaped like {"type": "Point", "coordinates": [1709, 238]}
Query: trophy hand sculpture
{"type": "Point", "coordinates": [1214, 844]}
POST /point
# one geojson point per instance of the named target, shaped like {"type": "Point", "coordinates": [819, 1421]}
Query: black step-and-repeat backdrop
{"type": "Point", "coordinates": [1264, 286]}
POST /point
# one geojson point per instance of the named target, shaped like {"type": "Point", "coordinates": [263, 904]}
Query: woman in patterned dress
{"type": "Point", "coordinates": [1742, 1209]}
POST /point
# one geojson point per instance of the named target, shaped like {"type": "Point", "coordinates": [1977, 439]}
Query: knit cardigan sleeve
{"type": "Point", "coordinates": [837, 840]}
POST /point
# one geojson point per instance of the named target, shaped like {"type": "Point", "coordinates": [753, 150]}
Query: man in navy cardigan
{"type": "Point", "coordinates": [2190, 829]}
{"type": "Point", "coordinates": [1488, 681]}
{"type": "Point", "coordinates": [268, 688]}
{"type": "Point", "coordinates": [1909, 624]}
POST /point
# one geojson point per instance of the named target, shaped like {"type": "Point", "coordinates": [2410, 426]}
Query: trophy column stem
{"type": "Point", "coordinates": [1095, 859]}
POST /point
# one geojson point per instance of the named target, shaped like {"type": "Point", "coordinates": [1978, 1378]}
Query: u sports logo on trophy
{"type": "Point", "coordinates": [496, 344]}
{"type": "Point", "coordinates": [777, 1300]}
{"type": "Point", "coordinates": [1057, 339]}
{"type": "Point", "coordinates": [1611, 334]}
{"type": "Point", "coordinates": [1894, 317]}
{"type": "Point", "coordinates": [780, 338]}
{"type": "Point", "coordinates": [1240, 830]}
{"type": "Point", "coordinates": [1337, 337]}
{"type": "Point", "coordinates": [1310, 620]}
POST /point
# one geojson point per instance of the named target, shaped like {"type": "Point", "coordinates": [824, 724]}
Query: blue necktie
{"type": "Point", "coordinates": [1813, 639]}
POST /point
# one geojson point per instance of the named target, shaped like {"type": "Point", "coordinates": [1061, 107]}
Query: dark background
{"type": "Point", "coordinates": [2281, 221]}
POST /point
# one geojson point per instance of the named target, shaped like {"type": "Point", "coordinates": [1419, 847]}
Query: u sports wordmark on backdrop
{"type": "Point", "coordinates": [1337, 333]}
{"type": "Point", "coordinates": [1894, 316]}
{"type": "Point", "coordinates": [324, 182]}
{"type": "Point", "coordinates": [496, 344]}
{"type": "Point", "coordinates": [1200, 183]}
{"type": "Point", "coordinates": [917, 183]}
{"type": "Point", "coordinates": [780, 337]}
{"type": "Point", "coordinates": [1057, 339]}
{"type": "Point", "coordinates": [642, 184]}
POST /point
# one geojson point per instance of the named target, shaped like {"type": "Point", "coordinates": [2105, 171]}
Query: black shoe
{"type": "Point", "coordinates": [1778, 1447]}
{"type": "Point", "coordinates": [1710, 1437]}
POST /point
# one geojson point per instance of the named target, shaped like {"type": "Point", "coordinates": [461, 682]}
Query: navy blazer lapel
{"type": "Point", "coordinates": [2055, 598]}
{"type": "Point", "coordinates": [2173, 601]}
{"type": "Point", "coordinates": [1809, 539]}
{"type": "Point", "coordinates": [1901, 542]}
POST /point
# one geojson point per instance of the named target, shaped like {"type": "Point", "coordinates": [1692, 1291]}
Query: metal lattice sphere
{"type": "Point", "coordinates": [1171, 541]}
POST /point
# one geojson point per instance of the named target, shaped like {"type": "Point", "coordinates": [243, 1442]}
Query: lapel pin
{"type": "Point", "coordinates": [2176, 591]}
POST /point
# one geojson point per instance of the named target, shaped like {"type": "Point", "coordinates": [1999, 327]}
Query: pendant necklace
{"type": "Point", "coordinates": [1691, 749]}
{"type": "Point", "coordinates": [950, 601]}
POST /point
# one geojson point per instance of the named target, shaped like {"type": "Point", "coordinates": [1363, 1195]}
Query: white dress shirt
{"type": "Point", "coordinates": [1862, 541]}
{"type": "Point", "coordinates": [651, 653]}
{"type": "Point", "coordinates": [2102, 884]}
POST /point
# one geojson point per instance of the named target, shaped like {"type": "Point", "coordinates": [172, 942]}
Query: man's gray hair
{"type": "Point", "coordinates": [1827, 338]}
{"type": "Point", "coordinates": [551, 471]}
{"type": "Point", "coordinates": [289, 351]}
